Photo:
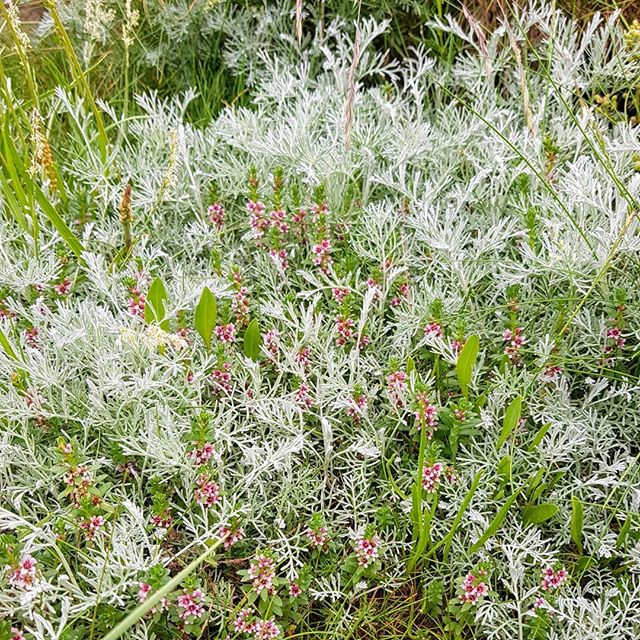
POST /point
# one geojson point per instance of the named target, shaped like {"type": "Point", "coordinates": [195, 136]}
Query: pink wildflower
{"type": "Point", "coordinates": [208, 493]}
{"type": "Point", "coordinates": [344, 329]}
{"type": "Point", "coordinates": [143, 591]}
{"type": "Point", "coordinates": [262, 572]}
{"type": "Point", "coordinates": [396, 386]}
{"type": "Point", "coordinates": [230, 535]}
{"type": "Point", "coordinates": [257, 221]}
{"type": "Point", "coordinates": [244, 622]}
{"type": "Point", "coordinates": [434, 329]}
{"type": "Point", "coordinates": [222, 378]}
{"type": "Point", "coordinates": [280, 258]}
{"type": "Point", "coordinates": [203, 455]}
{"type": "Point", "coordinates": [226, 332]}
{"type": "Point", "coordinates": [192, 604]}
{"type": "Point", "coordinates": [426, 414]}
{"type": "Point", "coordinates": [31, 336]}
{"type": "Point", "coordinates": [278, 220]}
{"type": "Point", "coordinates": [431, 477]}
{"type": "Point", "coordinates": [266, 630]}
{"type": "Point", "coordinates": [216, 214]}
{"type": "Point", "coordinates": [303, 356]}
{"type": "Point", "coordinates": [318, 537]}
{"type": "Point", "coordinates": [322, 254]}
{"type": "Point", "coordinates": [367, 549]}
{"type": "Point", "coordinates": [24, 575]}
{"type": "Point", "coordinates": [357, 406]}
{"type": "Point", "coordinates": [302, 396]}
{"type": "Point", "coordinates": [271, 341]}
{"type": "Point", "coordinates": [472, 589]}
{"type": "Point", "coordinates": [294, 590]}
{"type": "Point", "coordinates": [63, 288]}
{"type": "Point", "coordinates": [339, 294]}
{"type": "Point", "coordinates": [92, 526]}
{"type": "Point", "coordinates": [553, 579]}
{"type": "Point", "coordinates": [514, 342]}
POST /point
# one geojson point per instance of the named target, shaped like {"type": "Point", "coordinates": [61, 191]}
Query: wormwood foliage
{"type": "Point", "coordinates": [301, 386]}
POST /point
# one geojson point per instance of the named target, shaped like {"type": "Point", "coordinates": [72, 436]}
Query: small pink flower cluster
{"type": "Point", "coordinates": [344, 329]}
{"type": "Point", "coordinates": [143, 591]}
{"type": "Point", "coordinates": [266, 630]}
{"type": "Point", "coordinates": [339, 294]}
{"type": "Point", "coordinates": [426, 414]}
{"type": "Point", "coordinates": [375, 287]}
{"type": "Point", "coordinates": [404, 291]}
{"type": "Point", "coordinates": [230, 535]}
{"type": "Point", "coordinates": [553, 579]}
{"type": "Point", "coordinates": [473, 588]}
{"type": "Point", "coordinates": [226, 333]}
{"type": "Point", "coordinates": [16, 634]}
{"type": "Point", "coordinates": [24, 575]}
{"type": "Point", "coordinates": [302, 396]}
{"type": "Point", "coordinates": [614, 340]}
{"type": "Point", "coordinates": [208, 493]}
{"type": "Point", "coordinates": [245, 622]}
{"type": "Point", "coordinates": [514, 342]}
{"type": "Point", "coordinates": [163, 520]}
{"type": "Point", "coordinates": [222, 378]}
{"type": "Point", "coordinates": [434, 329]}
{"type": "Point", "coordinates": [278, 220]}
{"type": "Point", "coordinates": [79, 478]}
{"type": "Point", "coordinates": [551, 373]}
{"type": "Point", "coordinates": [31, 337]}
{"type": "Point", "coordinates": [136, 302]}
{"type": "Point", "coordinates": [5, 311]}
{"type": "Point", "coordinates": [257, 221]}
{"type": "Point", "coordinates": [192, 604]}
{"type": "Point", "coordinates": [357, 406]}
{"type": "Point", "coordinates": [294, 590]}
{"type": "Point", "coordinates": [271, 341]}
{"type": "Point", "coordinates": [367, 549]}
{"type": "Point", "coordinates": [201, 456]}
{"type": "Point", "coordinates": [431, 477]}
{"type": "Point", "coordinates": [216, 214]}
{"type": "Point", "coordinates": [63, 288]}
{"type": "Point", "coordinates": [318, 537]}
{"type": "Point", "coordinates": [92, 526]}
{"type": "Point", "coordinates": [303, 357]}
{"type": "Point", "coordinates": [262, 571]}
{"type": "Point", "coordinates": [280, 257]}
{"type": "Point", "coordinates": [322, 254]}
{"type": "Point", "coordinates": [396, 386]}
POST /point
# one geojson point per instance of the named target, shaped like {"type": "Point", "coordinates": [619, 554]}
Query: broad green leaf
{"type": "Point", "coordinates": [504, 469]}
{"type": "Point", "coordinates": [624, 532]}
{"type": "Point", "coordinates": [411, 365]}
{"type": "Point", "coordinates": [155, 308]}
{"type": "Point", "coordinates": [538, 437]}
{"type": "Point", "coordinates": [448, 539]}
{"type": "Point", "coordinates": [252, 340]}
{"type": "Point", "coordinates": [511, 417]}
{"type": "Point", "coordinates": [577, 513]}
{"type": "Point", "coordinates": [496, 523]}
{"type": "Point", "coordinates": [539, 513]}
{"type": "Point", "coordinates": [206, 315]}
{"type": "Point", "coordinates": [466, 361]}
{"type": "Point", "coordinates": [6, 345]}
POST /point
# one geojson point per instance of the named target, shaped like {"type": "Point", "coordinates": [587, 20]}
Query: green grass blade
{"type": "Point", "coordinates": [139, 612]}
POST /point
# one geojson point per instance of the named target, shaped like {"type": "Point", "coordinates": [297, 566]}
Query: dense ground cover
{"type": "Point", "coordinates": [354, 356]}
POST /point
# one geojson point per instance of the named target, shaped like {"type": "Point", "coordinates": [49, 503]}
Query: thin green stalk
{"type": "Point", "coordinates": [141, 610]}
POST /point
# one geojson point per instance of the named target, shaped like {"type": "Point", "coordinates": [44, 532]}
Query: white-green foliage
{"type": "Point", "coordinates": [448, 166]}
